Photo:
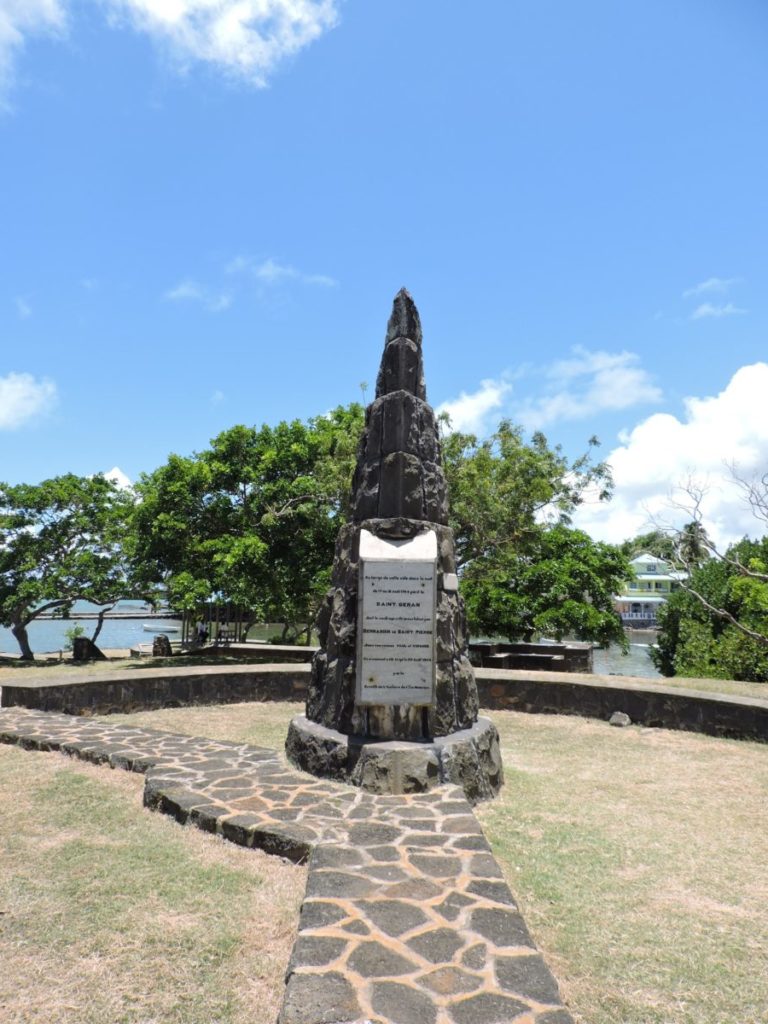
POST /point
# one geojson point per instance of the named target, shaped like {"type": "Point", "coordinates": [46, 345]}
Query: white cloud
{"type": "Point", "coordinates": [118, 477]}
{"type": "Point", "coordinates": [663, 453]}
{"type": "Point", "coordinates": [712, 284]}
{"type": "Point", "coordinates": [469, 412]}
{"type": "Point", "coordinates": [271, 272]}
{"type": "Point", "coordinates": [191, 291]}
{"type": "Point", "coordinates": [587, 384]}
{"type": "Point", "coordinates": [22, 397]}
{"type": "Point", "coordinates": [322, 279]}
{"type": "Point", "coordinates": [20, 19]}
{"type": "Point", "coordinates": [708, 309]}
{"type": "Point", "coordinates": [245, 38]}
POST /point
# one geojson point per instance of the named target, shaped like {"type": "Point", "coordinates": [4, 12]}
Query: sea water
{"type": "Point", "coordinates": [637, 663]}
{"type": "Point", "coordinates": [50, 634]}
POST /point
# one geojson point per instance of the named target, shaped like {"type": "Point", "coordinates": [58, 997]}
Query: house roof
{"type": "Point", "coordinates": [645, 556]}
{"type": "Point", "coordinates": [668, 571]}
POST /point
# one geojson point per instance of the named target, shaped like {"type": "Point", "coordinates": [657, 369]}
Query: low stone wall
{"type": "Point", "coordinates": [83, 693]}
{"type": "Point", "coordinates": [144, 689]}
{"type": "Point", "coordinates": [664, 707]}
{"type": "Point", "coordinates": [272, 654]}
{"type": "Point", "coordinates": [571, 656]}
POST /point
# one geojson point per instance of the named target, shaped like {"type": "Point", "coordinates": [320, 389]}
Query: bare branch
{"type": "Point", "coordinates": [289, 505]}
{"type": "Point", "coordinates": [755, 491]}
{"type": "Point", "coordinates": [722, 613]}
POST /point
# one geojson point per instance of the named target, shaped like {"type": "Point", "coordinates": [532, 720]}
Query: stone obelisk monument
{"type": "Point", "coordinates": [392, 702]}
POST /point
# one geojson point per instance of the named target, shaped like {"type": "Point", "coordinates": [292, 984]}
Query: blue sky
{"type": "Point", "coordinates": [203, 221]}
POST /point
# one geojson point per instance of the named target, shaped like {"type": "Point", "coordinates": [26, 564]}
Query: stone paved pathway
{"type": "Point", "coordinates": [406, 917]}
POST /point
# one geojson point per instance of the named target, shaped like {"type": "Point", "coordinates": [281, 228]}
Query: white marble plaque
{"type": "Point", "coordinates": [396, 620]}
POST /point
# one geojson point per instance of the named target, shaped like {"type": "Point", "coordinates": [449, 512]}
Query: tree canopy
{"type": "Point", "coordinates": [525, 571]}
{"type": "Point", "coordinates": [717, 624]}
{"type": "Point", "coordinates": [251, 520]}
{"type": "Point", "coordinates": [61, 541]}
{"type": "Point", "coordinates": [655, 542]}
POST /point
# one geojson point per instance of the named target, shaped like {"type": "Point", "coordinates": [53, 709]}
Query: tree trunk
{"type": "Point", "coordinates": [19, 631]}
{"type": "Point", "coordinates": [96, 631]}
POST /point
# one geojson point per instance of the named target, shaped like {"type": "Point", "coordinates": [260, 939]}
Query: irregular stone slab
{"type": "Point", "coordinates": [403, 1004]}
{"type": "Point", "coordinates": [337, 885]}
{"type": "Point", "coordinates": [319, 999]}
{"type": "Point", "coordinates": [451, 980]}
{"type": "Point", "coordinates": [315, 951]}
{"type": "Point", "coordinates": [437, 946]}
{"type": "Point", "coordinates": [375, 960]}
{"type": "Point", "coordinates": [501, 927]}
{"type": "Point", "coordinates": [527, 974]}
{"type": "Point", "coordinates": [489, 1008]}
{"type": "Point", "coordinates": [393, 917]}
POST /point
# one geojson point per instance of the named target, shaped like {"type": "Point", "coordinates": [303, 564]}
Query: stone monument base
{"type": "Point", "coordinates": [470, 758]}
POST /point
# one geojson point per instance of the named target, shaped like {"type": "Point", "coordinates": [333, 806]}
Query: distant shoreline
{"type": "Point", "coordinates": [47, 616]}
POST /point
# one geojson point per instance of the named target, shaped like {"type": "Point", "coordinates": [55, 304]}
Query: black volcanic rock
{"type": "Point", "coordinates": [401, 367]}
{"type": "Point", "coordinates": [399, 491]}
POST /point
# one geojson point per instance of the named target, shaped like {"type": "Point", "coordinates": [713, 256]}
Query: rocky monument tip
{"type": "Point", "coordinates": [402, 368]}
{"type": "Point", "coordinates": [392, 700]}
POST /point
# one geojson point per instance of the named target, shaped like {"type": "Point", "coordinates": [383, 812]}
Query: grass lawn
{"type": "Point", "coordinates": [112, 915]}
{"type": "Point", "coordinates": [638, 856]}
{"type": "Point", "coordinates": [734, 687]}
{"type": "Point", "coordinates": [13, 670]}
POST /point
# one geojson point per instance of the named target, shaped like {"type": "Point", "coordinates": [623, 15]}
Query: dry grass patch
{"type": "Point", "coordinates": [112, 915]}
{"type": "Point", "coordinates": [56, 669]}
{"type": "Point", "coordinates": [639, 859]}
{"type": "Point", "coordinates": [731, 687]}
{"type": "Point", "coordinates": [638, 856]}
{"type": "Point", "coordinates": [262, 724]}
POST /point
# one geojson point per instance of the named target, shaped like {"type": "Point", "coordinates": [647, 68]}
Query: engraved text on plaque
{"type": "Point", "coordinates": [396, 620]}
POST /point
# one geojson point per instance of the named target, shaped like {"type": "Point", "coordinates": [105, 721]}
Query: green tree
{"type": "Point", "coordinates": [525, 571]}
{"type": "Point", "coordinates": [61, 541]}
{"type": "Point", "coordinates": [562, 585]}
{"type": "Point", "coordinates": [655, 542]}
{"type": "Point", "coordinates": [685, 548]}
{"type": "Point", "coordinates": [692, 545]}
{"type": "Point", "coordinates": [717, 624]}
{"type": "Point", "coordinates": [251, 520]}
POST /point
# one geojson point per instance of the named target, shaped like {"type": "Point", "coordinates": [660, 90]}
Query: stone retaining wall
{"type": "Point", "coordinates": [147, 689]}
{"type": "Point", "coordinates": [663, 707]}
{"type": "Point", "coordinates": [550, 693]}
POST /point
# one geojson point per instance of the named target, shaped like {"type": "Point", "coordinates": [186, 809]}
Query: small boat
{"type": "Point", "coordinates": [152, 628]}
